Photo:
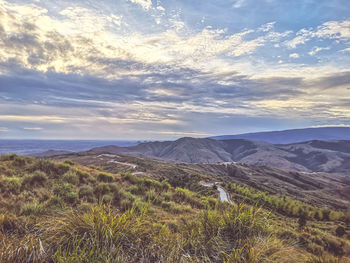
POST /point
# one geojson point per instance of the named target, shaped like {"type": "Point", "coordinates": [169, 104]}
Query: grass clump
{"type": "Point", "coordinates": [104, 177]}
{"type": "Point", "coordinates": [67, 192]}
{"type": "Point", "coordinates": [37, 178]}
{"type": "Point", "coordinates": [71, 177]}
{"type": "Point", "coordinates": [10, 185]}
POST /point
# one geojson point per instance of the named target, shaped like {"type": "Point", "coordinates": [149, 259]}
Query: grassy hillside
{"type": "Point", "coordinates": [318, 189]}
{"type": "Point", "coordinates": [65, 212]}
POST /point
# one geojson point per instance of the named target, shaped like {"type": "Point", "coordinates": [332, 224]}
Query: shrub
{"type": "Point", "coordinates": [104, 177]}
{"type": "Point", "coordinates": [71, 177]}
{"type": "Point", "coordinates": [55, 202]}
{"type": "Point", "coordinates": [340, 231]}
{"type": "Point", "coordinates": [83, 176]}
{"type": "Point", "coordinates": [131, 178]}
{"type": "Point", "coordinates": [69, 162]}
{"type": "Point", "coordinates": [86, 192]}
{"type": "Point", "coordinates": [165, 185]}
{"type": "Point", "coordinates": [32, 208]}
{"type": "Point", "coordinates": [10, 184]}
{"type": "Point", "coordinates": [334, 246]}
{"type": "Point", "coordinates": [108, 198]}
{"type": "Point", "coordinates": [53, 170]}
{"type": "Point", "coordinates": [102, 189]}
{"type": "Point", "coordinates": [66, 191]}
{"type": "Point", "coordinates": [36, 178]}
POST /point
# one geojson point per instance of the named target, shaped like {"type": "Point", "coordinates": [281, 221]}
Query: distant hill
{"type": "Point", "coordinates": [293, 136]}
{"type": "Point", "coordinates": [50, 153]}
{"type": "Point", "coordinates": [311, 156]}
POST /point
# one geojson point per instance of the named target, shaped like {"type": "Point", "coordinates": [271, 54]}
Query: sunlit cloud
{"type": "Point", "coordinates": [33, 128]}
{"type": "Point", "coordinates": [141, 67]}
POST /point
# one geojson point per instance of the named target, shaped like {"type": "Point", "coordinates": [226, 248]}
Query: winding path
{"type": "Point", "coordinates": [223, 194]}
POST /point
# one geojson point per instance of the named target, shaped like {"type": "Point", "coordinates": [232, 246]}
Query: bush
{"type": "Point", "coordinates": [108, 198]}
{"type": "Point", "coordinates": [10, 184]}
{"type": "Point", "coordinates": [86, 192]}
{"type": "Point", "coordinates": [69, 162]}
{"type": "Point", "coordinates": [104, 177]}
{"type": "Point", "coordinates": [55, 202]}
{"type": "Point", "coordinates": [340, 231]}
{"type": "Point", "coordinates": [36, 178]}
{"type": "Point", "coordinates": [102, 189]}
{"type": "Point", "coordinates": [53, 170]}
{"type": "Point", "coordinates": [83, 176]}
{"type": "Point", "coordinates": [67, 192]}
{"type": "Point", "coordinates": [32, 208]}
{"type": "Point", "coordinates": [71, 177]}
{"type": "Point", "coordinates": [131, 178]}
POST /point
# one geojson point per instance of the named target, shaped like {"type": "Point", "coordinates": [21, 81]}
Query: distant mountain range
{"type": "Point", "coordinates": [310, 156]}
{"type": "Point", "coordinates": [293, 136]}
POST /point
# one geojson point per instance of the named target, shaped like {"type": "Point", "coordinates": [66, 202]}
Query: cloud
{"type": "Point", "coordinates": [334, 30]}
{"type": "Point", "coordinates": [238, 3]}
{"type": "Point", "coordinates": [294, 55]}
{"type": "Point", "coordinates": [145, 4]}
{"type": "Point", "coordinates": [345, 50]}
{"type": "Point", "coordinates": [301, 39]}
{"type": "Point", "coordinates": [315, 50]}
{"type": "Point", "coordinates": [267, 27]}
{"type": "Point", "coordinates": [33, 128]}
{"type": "Point", "coordinates": [4, 129]}
{"type": "Point", "coordinates": [103, 72]}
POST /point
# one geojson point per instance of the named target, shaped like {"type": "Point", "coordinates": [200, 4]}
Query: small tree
{"type": "Point", "coordinates": [340, 231]}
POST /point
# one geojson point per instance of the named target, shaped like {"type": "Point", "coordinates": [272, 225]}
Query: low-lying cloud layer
{"type": "Point", "coordinates": [144, 70]}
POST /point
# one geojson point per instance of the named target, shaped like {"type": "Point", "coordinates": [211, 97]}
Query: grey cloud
{"type": "Point", "coordinates": [335, 80]}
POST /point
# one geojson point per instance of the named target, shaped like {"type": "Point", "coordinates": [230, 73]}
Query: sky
{"type": "Point", "coordinates": [156, 69]}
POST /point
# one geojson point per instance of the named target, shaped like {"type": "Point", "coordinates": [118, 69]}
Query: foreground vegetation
{"type": "Point", "coordinates": [321, 231]}
{"type": "Point", "coordinates": [64, 212]}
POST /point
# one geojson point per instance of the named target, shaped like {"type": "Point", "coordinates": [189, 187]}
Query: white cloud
{"type": "Point", "coordinates": [3, 129]}
{"type": "Point", "coordinates": [145, 4]}
{"type": "Point", "coordinates": [302, 39]}
{"type": "Point", "coordinates": [160, 8]}
{"type": "Point", "coordinates": [345, 50]}
{"type": "Point", "coordinates": [267, 27]}
{"type": "Point", "coordinates": [339, 30]}
{"type": "Point", "coordinates": [315, 50]}
{"type": "Point", "coordinates": [294, 55]}
{"type": "Point", "coordinates": [33, 128]}
{"type": "Point", "coordinates": [334, 30]}
{"type": "Point", "coordinates": [238, 3]}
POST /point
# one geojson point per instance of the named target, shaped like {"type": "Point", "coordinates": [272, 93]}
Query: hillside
{"type": "Point", "coordinates": [67, 212]}
{"type": "Point", "coordinates": [293, 136]}
{"type": "Point", "coordinates": [312, 156]}
{"type": "Point", "coordinates": [320, 189]}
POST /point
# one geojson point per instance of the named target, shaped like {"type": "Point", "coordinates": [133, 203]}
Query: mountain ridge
{"type": "Point", "coordinates": [293, 135]}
